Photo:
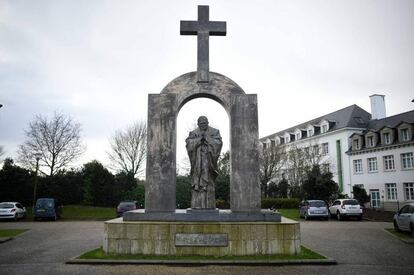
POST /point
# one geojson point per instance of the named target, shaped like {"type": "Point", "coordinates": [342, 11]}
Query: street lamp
{"type": "Point", "coordinates": [37, 156]}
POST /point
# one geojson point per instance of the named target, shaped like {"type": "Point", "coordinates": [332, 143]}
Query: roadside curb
{"type": "Point", "coordinates": [327, 261]}
{"type": "Point", "coordinates": [5, 239]}
{"type": "Point", "coordinates": [407, 241]}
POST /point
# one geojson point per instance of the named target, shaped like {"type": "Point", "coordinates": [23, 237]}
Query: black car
{"type": "Point", "coordinates": [126, 206]}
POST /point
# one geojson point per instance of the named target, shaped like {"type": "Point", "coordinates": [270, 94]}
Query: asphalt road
{"type": "Point", "coordinates": [359, 248]}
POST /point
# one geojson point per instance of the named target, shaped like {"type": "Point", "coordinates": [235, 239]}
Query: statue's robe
{"type": "Point", "coordinates": [203, 156]}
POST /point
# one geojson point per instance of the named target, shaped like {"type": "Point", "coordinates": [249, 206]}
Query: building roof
{"type": "Point", "coordinates": [392, 121]}
{"type": "Point", "coordinates": [352, 116]}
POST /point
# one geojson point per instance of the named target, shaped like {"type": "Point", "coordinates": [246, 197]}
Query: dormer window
{"type": "Point", "coordinates": [356, 144]}
{"type": "Point", "coordinates": [370, 141]}
{"type": "Point", "coordinates": [405, 134]}
{"type": "Point", "coordinates": [324, 128]}
{"type": "Point", "coordinates": [387, 138]}
{"type": "Point", "coordinates": [297, 136]}
{"type": "Point", "coordinates": [264, 145]}
{"type": "Point", "coordinates": [310, 132]}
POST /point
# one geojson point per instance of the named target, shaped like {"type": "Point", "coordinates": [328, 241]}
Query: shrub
{"type": "Point", "coordinates": [222, 204]}
{"type": "Point", "coordinates": [280, 203]}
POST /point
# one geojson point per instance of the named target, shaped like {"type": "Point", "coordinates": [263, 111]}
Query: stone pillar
{"type": "Point", "coordinates": [244, 185]}
{"type": "Point", "coordinates": [161, 150]}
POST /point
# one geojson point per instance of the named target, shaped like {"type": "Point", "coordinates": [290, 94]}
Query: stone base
{"type": "Point", "coordinates": [202, 215]}
{"type": "Point", "coordinates": [202, 238]}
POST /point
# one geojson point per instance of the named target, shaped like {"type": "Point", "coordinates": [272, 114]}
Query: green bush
{"type": "Point", "coordinates": [222, 204]}
{"type": "Point", "coordinates": [280, 203]}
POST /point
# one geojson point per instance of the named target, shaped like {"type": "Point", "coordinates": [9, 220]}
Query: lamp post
{"type": "Point", "coordinates": [37, 156]}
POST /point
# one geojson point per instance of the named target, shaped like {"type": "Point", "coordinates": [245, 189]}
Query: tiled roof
{"type": "Point", "coordinates": [391, 121]}
{"type": "Point", "coordinates": [351, 116]}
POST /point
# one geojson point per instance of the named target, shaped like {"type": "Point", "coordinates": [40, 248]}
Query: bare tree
{"type": "Point", "coordinates": [128, 148]}
{"type": "Point", "coordinates": [271, 162]}
{"type": "Point", "coordinates": [56, 141]}
{"type": "Point", "coordinates": [299, 161]}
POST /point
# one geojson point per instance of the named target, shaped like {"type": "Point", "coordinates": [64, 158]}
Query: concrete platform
{"type": "Point", "coordinates": [192, 215]}
{"type": "Point", "coordinates": [202, 237]}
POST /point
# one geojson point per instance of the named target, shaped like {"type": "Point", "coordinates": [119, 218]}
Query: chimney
{"type": "Point", "coordinates": [377, 106]}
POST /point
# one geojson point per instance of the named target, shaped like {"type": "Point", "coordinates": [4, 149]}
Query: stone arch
{"type": "Point", "coordinates": [163, 110]}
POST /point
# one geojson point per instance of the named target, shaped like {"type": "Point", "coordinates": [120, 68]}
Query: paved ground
{"type": "Point", "coordinates": [359, 247]}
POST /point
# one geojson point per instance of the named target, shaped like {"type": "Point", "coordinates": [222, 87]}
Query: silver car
{"type": "Point", "coordinates": [404, 219]}
{"type": "Point", "coordinates": [12, 210]}
{"type": "Point", "coordinates": [313, 209]}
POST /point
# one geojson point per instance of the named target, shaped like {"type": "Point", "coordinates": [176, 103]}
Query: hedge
{"type": "Point", "coordinates": [280, 203]}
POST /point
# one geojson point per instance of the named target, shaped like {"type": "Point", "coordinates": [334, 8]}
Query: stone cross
{"type": "Point", "coordinates": [203, 28]}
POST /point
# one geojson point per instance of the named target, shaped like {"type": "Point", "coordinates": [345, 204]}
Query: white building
{"type": "Point", "coordinates": [340, 133]}
{"type": "Point", "coordinates": [382, 160]}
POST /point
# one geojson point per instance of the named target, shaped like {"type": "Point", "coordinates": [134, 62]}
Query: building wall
{"type": "Point", "coordinates": [343, 135]}
{"type": "Point", "coordinates": [377, 180]}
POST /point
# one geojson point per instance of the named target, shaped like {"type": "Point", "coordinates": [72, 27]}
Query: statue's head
{"type": "Point", "coordinates": [202, 123]}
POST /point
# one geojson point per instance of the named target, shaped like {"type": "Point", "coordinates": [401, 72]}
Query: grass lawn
{"type": "Point", "coordinates": [81, 212]}
{"type": "Point", "coordinates": [11, 233]}
{"type": "Point", "coordinates": [403, 236]}
{"type": "Point", "coordinates": [99, 254]}
{"type": "Point", "coordinates": [290, 213]}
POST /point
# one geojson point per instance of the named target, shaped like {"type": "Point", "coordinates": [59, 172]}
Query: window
{"type": "Point", "coordinates": [273, 143]}
{"type": "Point", "coordinates": [389, 163]}
{"type": "Point", "coordinates": [325, 167]}
{"type": "Point", "coordinates": [404, 135]}
{"type": "Point", "coordinates": [356, 144]}
{"type": "Point", "coordinates": [372, 165]}
{"type": "Point", "coordinates": [358, 166]}
{"type": "Point", "coordinates": [407, 160]}
{"type": "Point", "coordinates": [391, 191]}
{"type": "Point", "coordinates": [409, 191]}
{"type": "Point", "coordinates": [370, 140]}
{"type": "Point", "coordinates": [264, 145]}
{"type": "Point", "coordinates": [387, 138]}
{"type": "Point", "coordinates": [324, 128]}
{"type": "Point", "coordinates": [316, 149]}
{"type": "Point", "coordinates": [297, 136]}
{"type": "Point", "coordinates": [325, 148]}
{"type": "Point", "coordinates": [310, 132]}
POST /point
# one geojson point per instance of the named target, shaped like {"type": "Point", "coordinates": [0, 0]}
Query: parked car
{"type": "Point", "coordinates": [12, 210]}
{"type": "Point", "coordinates": [343, 208]}
{"type": "Point", "coordinates": [124, 206]}
{"type": "Point", "coordinates": [404, 219]}
{"type": "Point", "coordinates": [47, 208]}
{"type": "Point", "coordinates": [313, 209]}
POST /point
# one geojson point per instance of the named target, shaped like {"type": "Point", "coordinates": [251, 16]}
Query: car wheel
{"type": "Point", "coordinates": [16, 217]}
{"type": "Point", "coordinates": [412, 229]}
{"type": "Point", "coordinates": [396, 226]}
{"type": "Point", "coordinates": [360, 218]}
{"type": "Point", "coordinates": [338, 216]}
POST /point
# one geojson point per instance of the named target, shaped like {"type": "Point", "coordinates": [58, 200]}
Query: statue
{"type": "Point", "coordinates": [203, 147]}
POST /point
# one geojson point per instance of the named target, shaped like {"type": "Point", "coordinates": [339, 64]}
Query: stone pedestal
{"type": "Point", "coordinates": [202, 238]}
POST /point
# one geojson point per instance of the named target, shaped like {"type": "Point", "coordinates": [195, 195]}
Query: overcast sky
{"type": "Point", "coordinates": [98, 60]}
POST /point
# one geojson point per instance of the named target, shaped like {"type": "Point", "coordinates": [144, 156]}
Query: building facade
{"type": "Point", "coordinates": [382, 161]}
{"type": "Point", "coordinates": [372, 151]}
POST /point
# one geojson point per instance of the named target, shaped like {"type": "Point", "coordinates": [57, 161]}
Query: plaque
{"type": "Point", "coordinates": [182, 239]}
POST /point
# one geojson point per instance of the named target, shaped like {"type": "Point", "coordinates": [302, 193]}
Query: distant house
{"type": "Point", "coordinates": [372, 151]}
